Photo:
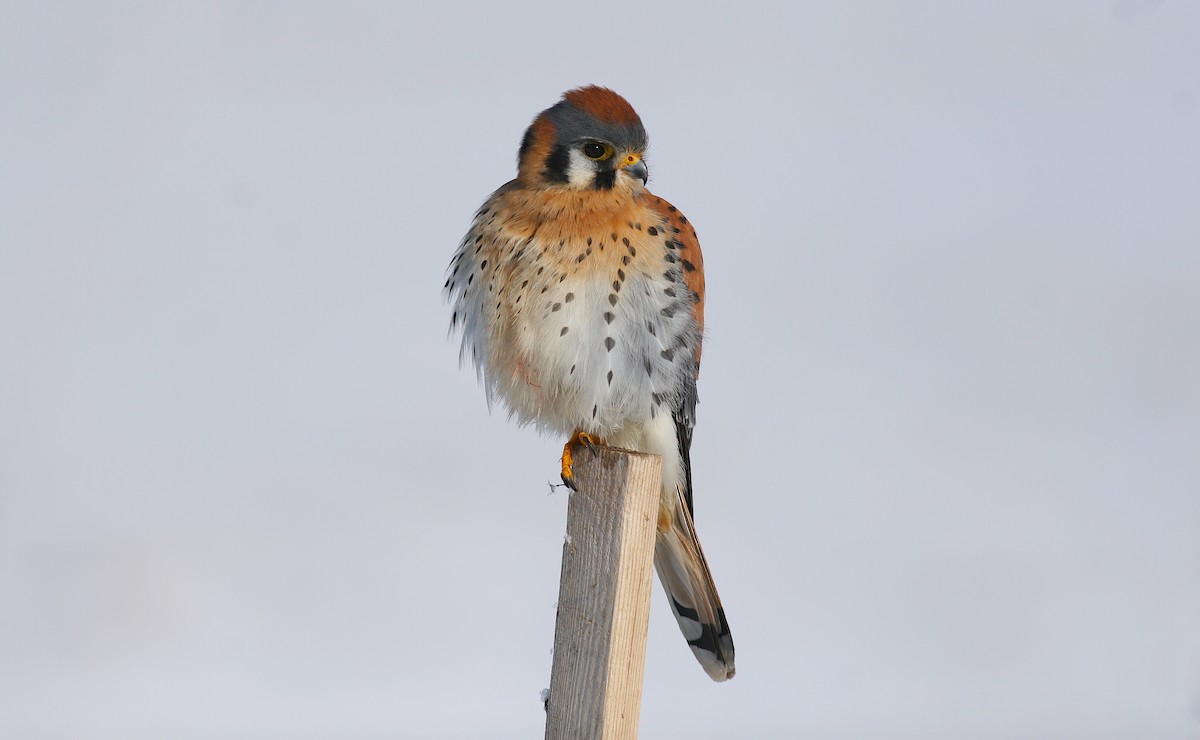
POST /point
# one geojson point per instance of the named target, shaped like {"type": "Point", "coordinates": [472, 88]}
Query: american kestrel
{"type": "Point", "coordinates": [580, 296]}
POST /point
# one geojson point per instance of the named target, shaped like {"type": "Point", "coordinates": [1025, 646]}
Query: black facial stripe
{"type": "Point", "coordinates": [526, 142]}
{"type": "Point", "coordinates": [605, 179]}
{"type": "Point", "coordinates": [557, 164]}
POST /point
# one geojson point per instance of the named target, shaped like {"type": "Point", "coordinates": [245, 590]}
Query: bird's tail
{"type": "Point", "coordinates": [684, 574]}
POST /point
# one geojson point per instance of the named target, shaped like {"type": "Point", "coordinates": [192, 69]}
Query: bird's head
{"type": "Point", "coordinates": [592, 139]}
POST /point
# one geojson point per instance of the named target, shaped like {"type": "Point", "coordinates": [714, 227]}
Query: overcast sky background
{"type": "Point", "coordinates": [948, 454]}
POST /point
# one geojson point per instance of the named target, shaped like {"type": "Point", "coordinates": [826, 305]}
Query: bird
{"type": "Point", "coordinates": [579, 296]}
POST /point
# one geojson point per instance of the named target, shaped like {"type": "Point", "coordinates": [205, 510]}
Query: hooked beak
{"type": "Point", "coordinates": [635, 167]}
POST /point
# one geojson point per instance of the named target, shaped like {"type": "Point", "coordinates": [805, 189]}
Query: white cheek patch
{"type": "Point", "coordinates": [581, 170]}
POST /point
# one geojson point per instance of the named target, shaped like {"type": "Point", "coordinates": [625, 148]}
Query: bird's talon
{"type": "Point", "coordinates": [578, 439]}
{"type": "Point", "coordinates": [589, 442]}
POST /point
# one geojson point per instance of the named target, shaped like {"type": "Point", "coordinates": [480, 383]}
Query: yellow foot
{"type": "Point", "coordinates": [578, 439]}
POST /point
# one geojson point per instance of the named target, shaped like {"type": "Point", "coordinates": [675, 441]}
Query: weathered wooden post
{"type": "Point", "coordinates": [604, 597]}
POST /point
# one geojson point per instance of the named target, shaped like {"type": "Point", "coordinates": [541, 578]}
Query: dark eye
{"type": "Point", "coordinates": [597, 150]}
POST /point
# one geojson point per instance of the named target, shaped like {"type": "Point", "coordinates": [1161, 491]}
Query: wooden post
{"type": "Point", "coordinates": [604, 597]}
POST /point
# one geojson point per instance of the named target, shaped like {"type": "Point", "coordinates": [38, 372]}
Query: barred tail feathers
{"type": "Point", "coordinates": [691, 592]}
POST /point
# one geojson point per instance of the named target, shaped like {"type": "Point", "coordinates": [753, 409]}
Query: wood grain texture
{"type": "Point", "coordinates": [604, 597]}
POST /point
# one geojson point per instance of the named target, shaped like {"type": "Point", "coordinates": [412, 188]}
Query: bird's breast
{"type": "Point", "coordinates": [592, 331]}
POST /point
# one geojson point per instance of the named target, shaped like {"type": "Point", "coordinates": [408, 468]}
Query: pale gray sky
{"type": "Point", "coordinates": [948, 454]}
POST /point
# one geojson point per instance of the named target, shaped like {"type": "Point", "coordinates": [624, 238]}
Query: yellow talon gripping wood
{"type": "Point", "coordinates": [578, 439]}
